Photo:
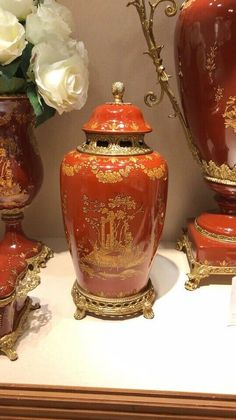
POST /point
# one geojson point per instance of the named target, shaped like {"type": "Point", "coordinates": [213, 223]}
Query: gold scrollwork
{"type": "Point", "coordinates": [114, 126]}
{"type": "Point", "coordinates": [69, 170]}
{"type": "Point", "coordinates": [114, 176]}
{"type": "Point", "coordinates": [40, 260]}
{"type": "Point", "coordinates": [230, 113]}
{"type": "Point", "coordinates": [155, 173]}
{"type": "Point", "coordinates": [28, 283]}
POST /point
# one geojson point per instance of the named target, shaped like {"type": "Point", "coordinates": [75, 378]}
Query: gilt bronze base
{"type": "Point", "coordinates": [202, 269]}
{"type": "Point", "coordinates": [114, 308]}
{"type": "Point", "coordinates": [8, 342]}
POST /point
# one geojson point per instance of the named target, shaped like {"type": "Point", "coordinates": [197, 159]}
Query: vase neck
{"type": "Point", "coordinates": [110, 144]}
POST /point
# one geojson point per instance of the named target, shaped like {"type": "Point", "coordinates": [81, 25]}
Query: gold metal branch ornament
{"type": "Point", "coordinates": [154, 51]}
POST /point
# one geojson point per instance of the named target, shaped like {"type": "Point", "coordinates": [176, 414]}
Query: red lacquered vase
{"type": "Point", "coordinates": [114, 192]}
{"type": "Point", "coordinates": [206, 66]}
{"type": "Point", "coordinates": [21, 175]}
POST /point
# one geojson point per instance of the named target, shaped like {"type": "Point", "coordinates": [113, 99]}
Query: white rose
{"type": "Point", "coordinates": [12, 37]}
{"type": "Point", "coordinates": [50, 21]}
{"type": "Point", "coordinates": [19, 8]}
{"type": "Point", "coordinates": [61, 74]}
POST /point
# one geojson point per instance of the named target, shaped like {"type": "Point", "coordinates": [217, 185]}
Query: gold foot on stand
{"type": "Point", "coordinates": [10, 353]}
{"type": "Point", "coordinates": [39, 261]}
{"type": "Point", "coordinates": [79, 314]}
{"type": "Point", "coordinates": [148, 311]}
{"type": "Point", "coordinates": [81, 304]}
{"type": "Point", "coordinates": [198, 272]}
{"type": "Point", "coordinates": [113, 308]}
{"type": "Point", "coordinates": [192, 283]}
{"type": "Point", "coordinates": [7, 343]}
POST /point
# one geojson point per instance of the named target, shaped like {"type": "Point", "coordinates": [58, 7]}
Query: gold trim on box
{"type": "Point", "coordinates": [201, 270]}
{"type": "Point", "coordinates": [114, 308]}
{"type": "Point", "coordinates": [214, 236]}
{"type": "Point", "coordinates": [6, 301]}
{"type": "Point", "coordinates": [7, 342]}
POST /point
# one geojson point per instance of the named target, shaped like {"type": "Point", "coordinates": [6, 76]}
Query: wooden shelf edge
{"type": "Point", "coordinates": [43, 402]}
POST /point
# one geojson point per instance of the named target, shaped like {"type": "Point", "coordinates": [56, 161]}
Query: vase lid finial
{"type": "Point", "coordinates": [118, 90]}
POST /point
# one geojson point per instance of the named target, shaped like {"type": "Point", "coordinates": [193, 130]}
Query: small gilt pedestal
{"type": "Point", "coordinates": [116, 308]}
{"type": "Point", "coordinates": [208, 254]}
{"type": "Point", "coordinates": [16, 281]}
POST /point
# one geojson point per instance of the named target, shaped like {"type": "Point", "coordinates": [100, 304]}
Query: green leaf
{"type": "Point", "coordinates": [25, 59]}
{"type": "Point", "coordinates": [41, 110]}
{"type": "Point", "coordinates": [48, 112]}
{"type": "Point", "coordinates": [10, 69]}
{"type": "Point", "coordinates": [13, 85]}
{"type": "Point", "coordinates": [32, 94]}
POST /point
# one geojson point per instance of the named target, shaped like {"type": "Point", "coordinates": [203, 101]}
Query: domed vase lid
{"type": "Point", "coordinates": [117, 117]}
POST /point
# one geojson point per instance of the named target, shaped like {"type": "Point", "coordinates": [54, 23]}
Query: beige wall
{"type": "Point", "coordinates": [112, 34]}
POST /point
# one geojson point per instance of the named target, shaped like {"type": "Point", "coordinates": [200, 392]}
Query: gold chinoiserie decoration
{"type": "Point", "coordinates": [114, 247]}
{"type": "Point", "coordinates": [113, 308]}
{"type": "Point", "coordinates": [40, 259]}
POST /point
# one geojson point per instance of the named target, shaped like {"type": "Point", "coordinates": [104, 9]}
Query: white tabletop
{"type": "Point", "coordinates": [186, 347]}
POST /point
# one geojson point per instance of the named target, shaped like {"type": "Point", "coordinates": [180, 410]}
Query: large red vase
{"type": "Point", "coordinates": [114, 191]}
{"type": "Point", "coordinates": [21, 175]}
{"type": "Point", "coordinates": [206, 67]}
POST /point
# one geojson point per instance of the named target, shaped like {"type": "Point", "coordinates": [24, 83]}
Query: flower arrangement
{"type": "Point", "coordinates": [39, 57]}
